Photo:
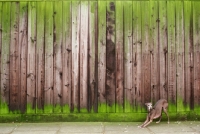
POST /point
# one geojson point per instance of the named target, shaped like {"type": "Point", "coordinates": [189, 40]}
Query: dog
{"type": "Point", "coordinates": [155, 111]}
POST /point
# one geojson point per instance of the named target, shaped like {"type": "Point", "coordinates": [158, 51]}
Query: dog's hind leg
{"type": "Point", "coordinates": [159, 119]}
{"type": "Point", "coordinates": [165, 110]}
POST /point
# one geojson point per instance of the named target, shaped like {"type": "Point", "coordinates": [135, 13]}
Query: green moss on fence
{"type": "Point", "coordinates": [4, 108]}
{"type": "Point", "coordinates": [104, 117]}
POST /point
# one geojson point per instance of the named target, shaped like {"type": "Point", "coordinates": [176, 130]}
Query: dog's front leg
{"type": "Point", "coordinates": [147, 119]}
{"type": "Point", "coordinates": [147, 123]}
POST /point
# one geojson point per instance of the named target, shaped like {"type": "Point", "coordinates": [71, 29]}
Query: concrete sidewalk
{"type": "Point", "coordinates": [188, 127]}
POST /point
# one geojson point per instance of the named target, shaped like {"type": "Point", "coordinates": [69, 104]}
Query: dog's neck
{"type": "Point", "coordinates": [151, 109]}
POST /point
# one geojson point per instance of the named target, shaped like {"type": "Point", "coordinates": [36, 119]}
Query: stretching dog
{"type": "Point", "coordinates": [155, 111]}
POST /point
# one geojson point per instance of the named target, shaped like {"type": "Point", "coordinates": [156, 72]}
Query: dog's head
{"type": "Point", "coordinates": [149, 106]}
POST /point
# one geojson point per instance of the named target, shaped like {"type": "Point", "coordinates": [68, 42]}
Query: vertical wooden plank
{"type": "Point", "coordinates": [196, 34]}
{"type": "Point", "coordinates": [155, 92]}
{"type": "Point", "coordinates": [101, 56]}
{"type": "Point", "coordinates": [128, 54]}
{"type": "Point", "coordinates": [40, 56]}
{"type": "Point", "coordinates": [162, 38]}
{"type": "Point", "coordinates": [146, 61]}
{"type": "Point", "coordinates": [119, 56]}
{"type": "Point", "coordinates": [14, 58]}
{"type": "Point", "coordinates": [49, 87]}
{"type": "Point", "coordinates": [180, 56]}
{"type": "Point", "coordinates": [84, 57]}
{"type": "Point", "coordinates": [58, 71]}
{"type": "Point", "coordinates": [31, 61]}
{"type": "Point", "coordinates": [92, 56]}
{"type": "Point", "coordinates": [188, 28]}
{"type": "Point", "coordinates": [171, 56]}
{"type": "Point", "coordinates": [23, 41]}
{"type": "Point", "coordinates": [5, 62]}
{"type": "Point", "coordinates": [67, 57]}
{"type": "Point", "coordinates": [110, 56]}
{"type": "Point", "coordinates": [1, 38]}
{"type": "Point", "coordinates": [75, 56]}
{"type": "Point", "coordinates": [137, 55]}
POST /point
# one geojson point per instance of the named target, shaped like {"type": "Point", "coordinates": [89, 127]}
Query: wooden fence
{"type": "Point", "coordinates": [98, 56]}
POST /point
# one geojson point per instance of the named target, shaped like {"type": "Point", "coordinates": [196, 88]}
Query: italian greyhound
{"type": "Point", "coordinates": [155, 111]}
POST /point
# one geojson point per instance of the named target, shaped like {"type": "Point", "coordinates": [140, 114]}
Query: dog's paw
{"type": "Point", "coordinates": [158, 122]}
{"type": "Point", "coordinates": [168, 122]}
{"type": "Point", "coordinates": [139, 126]}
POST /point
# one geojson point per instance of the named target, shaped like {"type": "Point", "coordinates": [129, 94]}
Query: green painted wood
{"type": "Point", "coordinates": [119, 56]}
{"type": "Point", "coordinates": [40, 67]}
{"type": "Point", "coordinates": [172, 94]}
{"type": "Point", "coordinates": [110, 56]}
{"type": "Point", "coordinates": [23, 41]}
{"type": "Point", "coordinates": [128, 54]}
{"type": "Point", "coordinates": [14, 104]}
{"type": "Point", "coordinates": [48, 86]}
{"type": "Point", "coordinates": [137, 54]}
{"type": "Point", "coordinates": [180, 58]}
{"type": "Point", "coordinates": [189, 75]}
{"type": "Point", "coordinates": [67, 57]}
{"type": "Point", "coordinates": [153, 39]}
{"type": "Point", "coordinates": [196, 43]}
{"type": "Point", "coordinates": [5, 89]}
{"type": "Point", "coordinates": [101, 56]}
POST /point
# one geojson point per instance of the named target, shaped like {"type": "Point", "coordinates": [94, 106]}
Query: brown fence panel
{"type": "Point", "coordinates": [23, 41]}
{"type": "Point", "coordinates": [5, 62]}
{"type": "Point", "coordinates": [98, 56]}
{"type": "Point", "coordinates": [49, 83]}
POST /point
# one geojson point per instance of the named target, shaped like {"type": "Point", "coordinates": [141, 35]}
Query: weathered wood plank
{"type": "Point", "coordinates": [155, 90]}
{"type": "Point", "coordinates": [84, 57]}
{"type": "Point", "coordinates": [180, 58]}
{"type": "Point", "coordinates": [75, 56]}
{"type": "Point", "coordinates": [58, 71]}
{"type": "Point", "coordinates": [110, 56]}
{"type": "Point", "coordinates": [23, 41]}
{"type": "Point", "coordinates": [137, 55]}
{"type": "Point", "coordinates": [128, 54]}
{"type": "Point", "coordinates": [171, 56]}
{"type": "Point", "coordinates": [67, 57]}
{"type": "Point", "coordinates": [92, 93]}
{"type": "Point", "coordinates": [101, 56]}
{"type": "Point", "coordinates": [196, 41]}
{"type": "Point", "coordinates": [162, 22]}
{"type": "Point", "coordinates": [146, 60]}
{"type": "Point", "coordinates": [49, 87]}
{"type": "Point", "coordinates": [5, 62]}
{"type": "Point", "coordinates": [119, 56]}
{"type": "Point", "coordinates": [40, 56]}
{"type": "Point", "coordinates": [14, 59]}
{"type": "Point", "coordinates": [1, 38]}
{"type": "Point", "coordinates": [189, 81]}
{"type": "Point", "coordinates": [31, 61]}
